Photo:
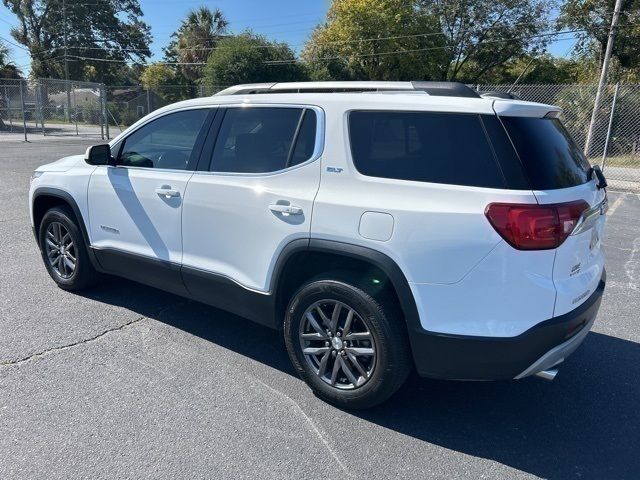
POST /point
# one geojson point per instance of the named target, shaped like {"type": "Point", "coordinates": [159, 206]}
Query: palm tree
{"type": "Point", "coordinates": [197, 35]}
{"type": "Point", "coordinates": [7, 68]}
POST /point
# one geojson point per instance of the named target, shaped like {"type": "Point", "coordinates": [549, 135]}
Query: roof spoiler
{"type": "Point", "coordinates": [497, 94]}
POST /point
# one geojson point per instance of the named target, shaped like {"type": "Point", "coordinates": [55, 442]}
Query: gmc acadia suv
{"type": "Point", "coordinates": [381, 225]}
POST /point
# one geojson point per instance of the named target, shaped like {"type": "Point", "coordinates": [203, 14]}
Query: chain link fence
{"type": "Point", "coordinates": [128, 104]}
{"type": "Point", "coordinates": [615, 138]}
{"type": "Point", "coordinates": [56, 107]}
{"type": "Point", "coordinates": [52, 107]}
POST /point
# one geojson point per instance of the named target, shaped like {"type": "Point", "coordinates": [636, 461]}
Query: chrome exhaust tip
{"type": "Point", "coordinates": [549, 374]}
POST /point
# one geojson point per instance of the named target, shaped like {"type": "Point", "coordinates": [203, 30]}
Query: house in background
{"type": "Point", "coordinates": [136, 101]}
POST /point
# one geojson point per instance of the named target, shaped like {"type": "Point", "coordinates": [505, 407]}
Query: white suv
{"type": "Point", "coordinates": [380, 225]}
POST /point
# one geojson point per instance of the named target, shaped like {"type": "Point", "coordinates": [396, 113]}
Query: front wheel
{"type": "Point", "coordinates": [346, 345]}
{"type": "Point", "coordinates": [64, 252]}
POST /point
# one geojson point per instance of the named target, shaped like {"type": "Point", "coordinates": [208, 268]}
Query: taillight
{"type": "Point", "coordinates": [535, 227]}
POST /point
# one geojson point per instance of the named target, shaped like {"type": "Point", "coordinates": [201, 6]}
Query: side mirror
{"type": "Point", "coordinates": [98, 155]}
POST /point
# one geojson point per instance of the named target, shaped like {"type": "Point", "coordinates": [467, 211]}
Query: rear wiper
{"type": "Point", "coordinates": [595, 170]}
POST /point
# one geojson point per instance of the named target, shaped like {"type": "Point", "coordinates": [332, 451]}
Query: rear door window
{"type": "Point", "coordinates": [435, 147]}
{"type": "Point", "coordinates": [264, 139]}
{"type": "Point", "coordinates": [550, 157]}
{"type": "Point", "coordinates": [306, 139]}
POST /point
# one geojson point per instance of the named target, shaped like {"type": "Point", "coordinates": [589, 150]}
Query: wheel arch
{"type": "Point", "coordinates": [45, 198]}
{"type": "Point", "coordinates": [302, 260]}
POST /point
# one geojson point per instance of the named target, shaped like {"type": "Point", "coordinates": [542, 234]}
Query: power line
{"type": "Point", "coordinates": [8, 23]}
{"type": "Point", "coordinates": [276, 62]}
{"type": "Point", "coordinates": [415, 50]}
{"type": "Point", "coordinates": [279, 62]}
{"type": "Point", "coordinates": [113, 60]}
{"type": "Point", "coordinates": [14, 44]}
{"type": "Point", "coordinates": [542, 35]}
{"type": "Point", "coordinates": [336, 42]}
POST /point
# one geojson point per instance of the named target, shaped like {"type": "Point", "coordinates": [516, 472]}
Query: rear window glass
{"type": "Point", "coordinates": [550, 157]}
{"type": "Point", "coordinates": [432, 147]}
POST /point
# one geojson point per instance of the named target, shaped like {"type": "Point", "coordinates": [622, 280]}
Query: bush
{"type": "Point", "coordinates": [241, 59]}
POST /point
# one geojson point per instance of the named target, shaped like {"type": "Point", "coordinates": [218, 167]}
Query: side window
{"type": "Point", "coordinates": [264, 139]}
{"type": "Point", "coordinates": [433, 147]}
{"type": "Point", "coordinates": [166, 142]}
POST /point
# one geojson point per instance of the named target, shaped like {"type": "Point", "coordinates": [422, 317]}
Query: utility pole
{"type": "Point", "coordinates": [603, 75]}
{"type": "Point", "coordinates": [66, 64]}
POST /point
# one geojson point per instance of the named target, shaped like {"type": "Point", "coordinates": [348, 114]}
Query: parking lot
{"type": "Point", "coordinates": [130, 382]}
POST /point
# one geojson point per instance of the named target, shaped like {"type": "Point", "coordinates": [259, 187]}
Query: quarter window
{"type": "Point", "coordinates": [166, 142]}
{"type": "Point", "coordinates": [264, 139]}
{"type": "Point", "coordinates": [433, 147]}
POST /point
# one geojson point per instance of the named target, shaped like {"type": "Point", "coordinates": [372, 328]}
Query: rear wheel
{"type": "Point", "coordinates": [64, 252]}
{"type": "Point", "coordinates": [346, 345]}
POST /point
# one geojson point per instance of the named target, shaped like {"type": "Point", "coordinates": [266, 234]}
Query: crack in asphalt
{"type": "Point", "coordinates": [314, 427]}
{"type": "Point", "coordinates": [8, 363]}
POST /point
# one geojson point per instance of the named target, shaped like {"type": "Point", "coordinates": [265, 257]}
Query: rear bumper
{"type": "Point", "coordinates": [459, 357]}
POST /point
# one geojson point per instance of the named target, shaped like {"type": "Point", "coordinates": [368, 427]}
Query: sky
{"type": "Point", "coordinates": [290, 21]}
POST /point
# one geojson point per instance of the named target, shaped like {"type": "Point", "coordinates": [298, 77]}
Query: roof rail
{"type": "Point", "coordinates": [446, 89]}
{"type": "Point", "coordinates": [449, 89]}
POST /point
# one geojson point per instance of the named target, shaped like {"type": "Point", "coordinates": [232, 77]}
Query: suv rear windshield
{"type": "Point", "coordinates": [449, 148]}
{"type": "Point", "coordinates": [550, 157]}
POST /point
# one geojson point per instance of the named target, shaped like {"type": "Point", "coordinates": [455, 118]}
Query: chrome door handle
{"type": "Point", "coordinates": [285, 209]}
{"type": "Point", "coordinates": [167, 192]}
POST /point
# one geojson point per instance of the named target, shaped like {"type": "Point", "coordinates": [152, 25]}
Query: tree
{"type": "Point", "coordinates": [481, 36]}
{"type": "Point", "coordinates": [249, 58]}
{"type": "Point", "coordinates": [7, 68]}
{"type": "Point", "coordinates": [360, 38]}
{"type": "Point", "coordinates": [157, 77]}
{"type": "Point", "coordinates": [109, 31]}
{"type": "Point", "coordinates": [461, 40]}
{"type": "Point", "coordinates": [594, 16]}
{"type": "Point", "coordinates": [197, 36]}
{"type": "Point", "coordinates": [163, 80]}
{"type": "Point", "coordinates": [536, 69]}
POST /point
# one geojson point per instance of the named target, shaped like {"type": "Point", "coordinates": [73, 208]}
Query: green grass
{"type": "Point", "coordinates": [627, 161]}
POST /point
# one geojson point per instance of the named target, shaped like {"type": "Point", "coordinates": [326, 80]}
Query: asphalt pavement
{"type": "Point", "coordinates": [125, 381]}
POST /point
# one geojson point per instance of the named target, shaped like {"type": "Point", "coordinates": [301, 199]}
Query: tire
{"type": "Point", "coordinates": [59, 224]}
{"type": "Point", "coordinates": [383, 355]}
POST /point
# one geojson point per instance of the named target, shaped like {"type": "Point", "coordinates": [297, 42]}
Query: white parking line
{"type": "Point", "coordinates": [615, 205]}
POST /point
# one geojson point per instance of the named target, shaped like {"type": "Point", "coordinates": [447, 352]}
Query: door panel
{"type": "Point", "coordinates": [259, 195]}
{"type": "Point", "coordinates": [136, 207]}
{"type": "Point", "coordinates": [126, 212]}
{"type": "Point", "coordinates": [232, 225]}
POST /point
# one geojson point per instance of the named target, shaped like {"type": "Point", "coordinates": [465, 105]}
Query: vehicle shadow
{"type": "Point", "coordinates": [584, 424]}
{"type": "Point", "coordinates": [217, 326]}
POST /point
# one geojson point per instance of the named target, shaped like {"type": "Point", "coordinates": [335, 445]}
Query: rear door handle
{"type": "Point", "coordinates": [167, 191]}
{"type": "Point", "coordinates": [285, 209]}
